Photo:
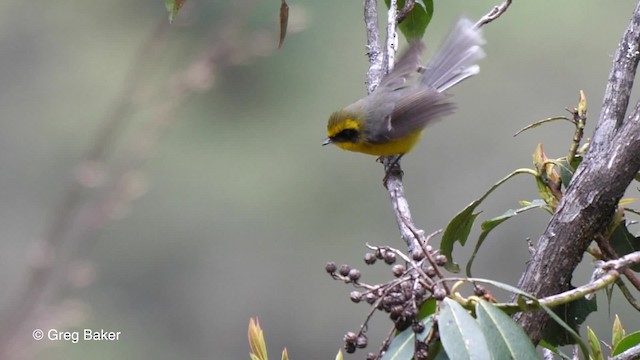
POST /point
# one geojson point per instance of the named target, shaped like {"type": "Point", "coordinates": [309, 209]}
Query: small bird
{"type": "Point", "coordinates": [390, 120]}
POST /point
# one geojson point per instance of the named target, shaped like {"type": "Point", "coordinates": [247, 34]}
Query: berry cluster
{"type": "Point", "coordinates": [417, 279]}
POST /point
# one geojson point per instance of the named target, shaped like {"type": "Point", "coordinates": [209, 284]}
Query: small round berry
{"type": "Point", "coordinates": [439, 294]}
{"type": "Point", "coordinates": [356, 296]}
{"type": "Point", "coordinates": [361, 342]}
{"type": "Point", "coordinates": [402, 324]}
{"type": "Point", "coordinates": [479, 290]}
{"type": "Point", "coordinates": [330, 267]}
{"type": "Point", "coordinates": [389, 257]}
{"type": "Point", "coordinates": [350, 337]}
{"type": "Point", "coordinates": [370, 258]}
{"type": "Point", "coordinates": [431, 271]}
{"type": "Point", "coordinates": [409, 313]}
{"type": "Point", "coordinates": [379, 254]}
{"type": "Point", "coordinates": [350, 348]}
{"type": "Point", "coordinates": [370, 298]}
{"type": "Point", "coordinates": [417, 255]}
{"type": "Point", "coordinates": [398, 297]}
{"type": "Point", "coordinates": [418, 327]}
{"type": "Point", "coordinates": [398, 270]}
{"type": "Point", "coordinates": [354, 274]}
{"type": "Point", "coordinates": [441, 260]}
{"type": "Point", "coordinates": [344, 270]}
{"type": "Point", "coordinates": [396, 310]}
{"type": "Point", "coordinates": [421, 354]}
{"type": "Point", "coordinates": [372, 356]}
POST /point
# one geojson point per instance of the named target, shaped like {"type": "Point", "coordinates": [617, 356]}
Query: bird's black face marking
{"type": "Point", "coordinates": [346, 135]}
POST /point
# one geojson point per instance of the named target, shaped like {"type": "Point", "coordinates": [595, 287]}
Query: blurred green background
{"type": "Point", "coordinates": [241, 207]}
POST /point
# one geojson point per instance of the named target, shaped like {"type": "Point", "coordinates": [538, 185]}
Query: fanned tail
{"type": "Point", "coordinates": [457, 57]}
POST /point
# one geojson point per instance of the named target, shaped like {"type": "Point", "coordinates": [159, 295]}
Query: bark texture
{"type": "Point", "coordinates": [612, 161]}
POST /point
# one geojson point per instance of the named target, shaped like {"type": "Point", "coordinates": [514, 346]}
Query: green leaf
{"type": "Point", "coordinates": [439, 353]}
{"type": "Point", "coordinates": [548, 310]}
{"type": "Point", "coordinates": [626, 343]}
{"type": "Point", "coordinates": [428, 308]}
{"type": "Point", "coordinates": [623, 242]}
{"type": "Point", "coordinates": [594, 344]}
{"type": "Point", "coordinates": [490, 224]}
{"type": "Point", "coordinates": [459, 227]}
{"type": "Point", "coordinates": [617, 332]}
{"type": "Point", "coordinates": [403, 344]}
{"type": "Point", "coordinates": [573, 315]}
{"type": "Point", "coordinates": [415, 23]}
{"type": "Point", "coordinates": [256, 340]}
{"type": "Point", "coordinates": [339, 355]}
{"type": "Point", "coordinates": [566, 170]}
{"type": "Point", "coordinates": [460, 334]}
{"type": "Point", "coordinates": [172, 7]}
{"type": "Point", "coordinates": [554, 349]}
{"type": "Point", "coordinates": [568, 330]}
{"type": "Point", "coordinates": [506, 339]}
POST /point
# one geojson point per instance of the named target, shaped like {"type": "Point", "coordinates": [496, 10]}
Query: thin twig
{"type": "Point", "coordinates": [611, 274]}
{"type": "Point", "coordinates": [580, 120]}
{"type": "Point", "coordinates": [607, 252]}
{"type": "Point", "coordinates": [387, 340]}
{"type": "Point", "coordinates": [495, 13]}
{"type": "Point", "coordinates": [627, 294]}
{"type": "Point", "coordinates": [413, 264]}
{"type": "Point", "coordinates": [408, 6]}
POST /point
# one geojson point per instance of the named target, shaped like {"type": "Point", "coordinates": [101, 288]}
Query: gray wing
{"type": "Point", "coordinates": [415, 109]}
{"type": "Point", "coordinates": [406, 66]}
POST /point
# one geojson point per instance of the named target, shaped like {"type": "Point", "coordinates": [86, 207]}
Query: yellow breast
{"type": "Point", "coordinates": [394, 147]}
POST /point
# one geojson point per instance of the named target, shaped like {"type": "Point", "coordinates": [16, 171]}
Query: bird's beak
{"type": "Point", "coordinates": [326, 141]}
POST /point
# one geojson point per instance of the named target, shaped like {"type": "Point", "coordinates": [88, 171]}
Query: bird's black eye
{"type": "Point", "coordinates": [346, 135]}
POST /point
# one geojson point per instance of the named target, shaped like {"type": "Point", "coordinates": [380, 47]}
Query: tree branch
{"type": "Point", "coordinates": [631, 354]}
{"type": "Point", "coordinates": [379, 65]}
{"type": "Point", "coordinates": [376, 68]}
{"type": "Point", "coordinates": [495, 13]}
{"type": "Point", "coordinates": [597, 185]}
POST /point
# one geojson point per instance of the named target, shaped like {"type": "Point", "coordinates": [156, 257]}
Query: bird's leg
{"type": "Point", "coordinates": [392, 169]}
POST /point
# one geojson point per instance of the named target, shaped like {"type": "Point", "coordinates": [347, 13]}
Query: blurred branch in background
{"type": "Point", "coordinates": [47, 259]}
{"type": "Point", "coordinates": [101, 188]}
